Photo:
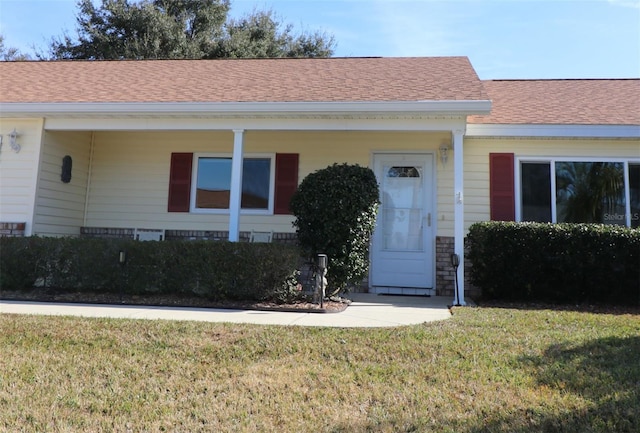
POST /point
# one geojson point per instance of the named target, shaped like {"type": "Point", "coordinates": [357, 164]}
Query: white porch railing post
{"type": "Point", "coordinates": [458, 214]}
{"type": "Point", "coordinates": [235, 198]}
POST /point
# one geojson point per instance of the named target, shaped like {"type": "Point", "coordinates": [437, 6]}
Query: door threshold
{"type": "Point", "coordinates": [403, 291]}
{"type": "Point", "coordinates": [405, 295]}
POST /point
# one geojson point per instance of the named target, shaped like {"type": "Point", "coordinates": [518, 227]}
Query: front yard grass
{"type": "Point", "coordinates": [484, 370]}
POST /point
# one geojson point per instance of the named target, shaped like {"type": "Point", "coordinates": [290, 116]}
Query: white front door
{"type": "Point", "coordinates": [402, 250]}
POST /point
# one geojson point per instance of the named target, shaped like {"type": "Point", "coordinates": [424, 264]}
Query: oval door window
{"type": "Point", "coordinates": [403, 172]}
{"type": "Point", "coordinates": [66, 169]}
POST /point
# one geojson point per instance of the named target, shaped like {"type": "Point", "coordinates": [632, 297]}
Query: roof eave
{"type": "Point", "coordinates": [448, 107]}
{"type": "Point", "coordinates": [552, 130]}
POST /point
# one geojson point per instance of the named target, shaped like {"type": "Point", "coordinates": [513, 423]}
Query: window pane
{"type": "Point", "coordinates": [536, 192]}
{"type": "Point", "coordinates": [634, 193]}
{"type": "Point", "coordinates": [256, 175]}
{"type": "Point", "coordinates": [213, 187]}
{"type": "Point", "coordinates": [590, 192]}
{"type": "Point", "coordinates": [402, 205]}
{"type": "Point", "coordinates": [213, 183]}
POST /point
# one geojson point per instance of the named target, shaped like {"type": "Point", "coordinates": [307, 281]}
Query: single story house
{"type": "Point", "coordinates": [213, 149]}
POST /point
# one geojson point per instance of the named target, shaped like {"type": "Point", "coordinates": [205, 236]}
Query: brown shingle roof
{"type": "Point", "coordinates": [576, 102]}
{"type": "Point", "coordinates": [255, 80]}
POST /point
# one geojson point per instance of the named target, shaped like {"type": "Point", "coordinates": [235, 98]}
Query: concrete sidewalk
{"type": "Point", "coordinates": [366, 311]}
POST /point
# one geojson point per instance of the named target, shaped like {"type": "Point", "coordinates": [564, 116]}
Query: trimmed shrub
{"type": "Point", "coordinates": [20, 259]}
{"type": "Point", "coordinates": [216, 270]}
{"type": "Point", "coordinates": [335, 211]}
{"type": "Point", "coordinates": [564, 263]}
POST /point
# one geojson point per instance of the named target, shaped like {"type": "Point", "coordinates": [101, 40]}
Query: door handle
{"type": "Point", "coordinates": [428, 218]}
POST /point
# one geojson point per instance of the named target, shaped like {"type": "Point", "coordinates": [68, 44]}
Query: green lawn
{"type": "Point", "coordinates": [485, 370]}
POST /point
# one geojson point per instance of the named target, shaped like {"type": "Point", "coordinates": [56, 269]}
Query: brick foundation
{"type": "Point", "coordinates": [445, 282]}
{"type": "Point", "coordinates": [12, 230]}
{"type": "Point", "coordinates": [106, 232]}
{"type": "Point", "coordinates": [444, 271]}
{"type": "Point", "coordinates": [176, 235]}
{"type": "Point", "coordinates": [204, 235]}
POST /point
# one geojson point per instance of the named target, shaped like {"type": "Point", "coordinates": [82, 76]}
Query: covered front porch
{"type": "Point", "coordinates": [122, 167]}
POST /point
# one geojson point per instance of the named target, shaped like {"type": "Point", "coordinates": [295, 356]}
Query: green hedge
{"type": "Point", "coordinates": [577, 263]}
{"type": "Point", "coordinates": [216, 270]}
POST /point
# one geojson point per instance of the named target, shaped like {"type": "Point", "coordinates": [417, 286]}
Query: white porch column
{"type": "Point", "coordinates": [458, 212]}
{"type": "Point", "coordinates": [236, 186]}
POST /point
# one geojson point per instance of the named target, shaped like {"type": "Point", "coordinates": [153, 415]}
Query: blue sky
{"type": "Point", "coordinates": [502, 38]}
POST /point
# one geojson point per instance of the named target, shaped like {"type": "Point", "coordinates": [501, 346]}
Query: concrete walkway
{"type": "Point", "coordinates": [366, 311]}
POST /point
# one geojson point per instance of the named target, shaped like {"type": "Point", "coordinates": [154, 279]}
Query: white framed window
{"type": "Point", "coordinates": [211, 183]}
{"type": "Point", "coordinates": [587, 190]}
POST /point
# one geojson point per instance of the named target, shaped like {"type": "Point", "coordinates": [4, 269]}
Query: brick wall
{"type": "Point", "coordinates": [173, 235]}
{"type": "Point", "coordinates": [444, 271]}
{"type": "Point", "coordinates": [106, 232]}
{"type": "Point", "coordinates": [445, 281]}
{"type": "Point", "coordinates": [280, 238]}
{"type": "Point", "coordinates": [11, 230]}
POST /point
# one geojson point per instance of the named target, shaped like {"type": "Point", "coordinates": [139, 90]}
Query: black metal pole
{"type": "Point", "coordinates": [122, 259]}
{"type": "Point", "coordinates": [322, 262]}
{"type": "Point", "coordinates": [455, 262]}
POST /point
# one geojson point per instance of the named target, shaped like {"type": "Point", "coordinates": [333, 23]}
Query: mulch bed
{"type": "Point", "coordinates": [335, 305]}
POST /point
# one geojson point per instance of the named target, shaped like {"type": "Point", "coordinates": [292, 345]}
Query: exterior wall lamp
{"type": "Point", "coordinates": [13, 137]}
{"type": "Point", "coordinates": [444, 153]}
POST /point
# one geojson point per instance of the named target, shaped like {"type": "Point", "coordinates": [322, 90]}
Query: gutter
{"type": "Point", "coordinates": [448, 107]}
{"type": "Point", "coordinates": [552, 130]}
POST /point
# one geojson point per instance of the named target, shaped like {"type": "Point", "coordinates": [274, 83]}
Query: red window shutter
{"type": "Point", "coordinates": [286, 181]}
{"type": "Point", "coordinates": [180, 182]}
{"type": "Point", "coordinates": [502, 196]}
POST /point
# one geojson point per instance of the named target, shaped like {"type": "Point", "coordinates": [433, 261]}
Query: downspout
{"type": "Point", "coordinates": [89, 172]}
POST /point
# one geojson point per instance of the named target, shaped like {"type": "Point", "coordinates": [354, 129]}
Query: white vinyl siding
{"type": "Point", "coordinates": [476, 161]}
{"type": "Point", "coordinates": [19, 171]}
{"type": "Point", "coordinates": [60, 206]}
{"type": "Point", "coordinates": [130, 173]}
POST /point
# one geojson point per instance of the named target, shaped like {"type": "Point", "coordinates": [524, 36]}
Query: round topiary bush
{"type": "Point", "coordinates": [335, 210]}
